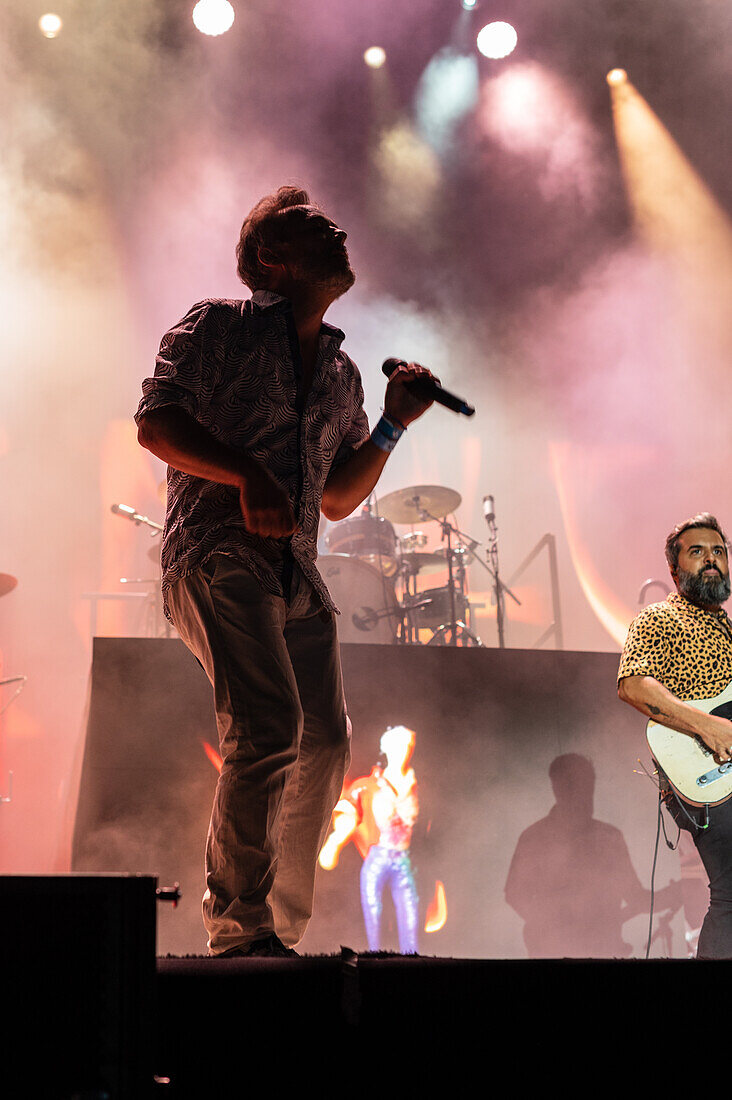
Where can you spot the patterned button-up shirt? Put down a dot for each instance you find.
(234, 367)
(684, 647)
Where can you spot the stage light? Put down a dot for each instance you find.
(469, 5)
(409, 178)
(617, 76)
(50, 25)
(447, 91)
(497, 40)
(374, 57)
(213, 17)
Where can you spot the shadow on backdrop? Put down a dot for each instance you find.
(571, 879)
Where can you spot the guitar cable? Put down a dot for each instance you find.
(653, 875)
(661, 824)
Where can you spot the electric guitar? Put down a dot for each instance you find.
(689, 764)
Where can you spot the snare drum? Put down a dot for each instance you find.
(370, 538)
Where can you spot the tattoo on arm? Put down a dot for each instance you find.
(655, 711)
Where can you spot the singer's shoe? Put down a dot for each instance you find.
(270, 947)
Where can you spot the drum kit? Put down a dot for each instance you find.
(375, 576)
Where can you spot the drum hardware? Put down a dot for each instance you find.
(415, 562)
(458, 557)
(441, 609)
(464, 554)
(448, 632)
(415, 540)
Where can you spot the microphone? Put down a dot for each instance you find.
(489, 508)
(132, 514)
(430, 389)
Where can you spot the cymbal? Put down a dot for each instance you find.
(419, 503)
(7, 583)
(416, 561)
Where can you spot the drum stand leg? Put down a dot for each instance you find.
(408, 631)
(456, 630)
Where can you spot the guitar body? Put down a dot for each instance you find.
(689, 764)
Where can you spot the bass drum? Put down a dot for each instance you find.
(366, 599)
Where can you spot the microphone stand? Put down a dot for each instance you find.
(499, 588)
(447, 532)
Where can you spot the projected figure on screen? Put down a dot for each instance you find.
(571, 878)
(378, 813)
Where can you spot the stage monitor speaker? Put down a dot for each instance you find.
(77, 960)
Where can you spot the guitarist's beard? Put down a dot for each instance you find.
(703, 591)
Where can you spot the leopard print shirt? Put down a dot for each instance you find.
(685, 648)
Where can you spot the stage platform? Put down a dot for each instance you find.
(340, 1022)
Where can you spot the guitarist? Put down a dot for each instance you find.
(678, 650)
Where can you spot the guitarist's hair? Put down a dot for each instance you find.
(702, 519)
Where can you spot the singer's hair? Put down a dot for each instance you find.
(262, 228)
(701, 519)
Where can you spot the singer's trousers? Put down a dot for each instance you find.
(284, 739)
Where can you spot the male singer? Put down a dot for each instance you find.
(259, 415)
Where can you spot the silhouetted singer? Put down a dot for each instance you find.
(259, 415)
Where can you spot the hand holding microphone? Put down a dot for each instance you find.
(422, 387)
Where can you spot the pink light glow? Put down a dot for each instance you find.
(612, 613)
(531, 113)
